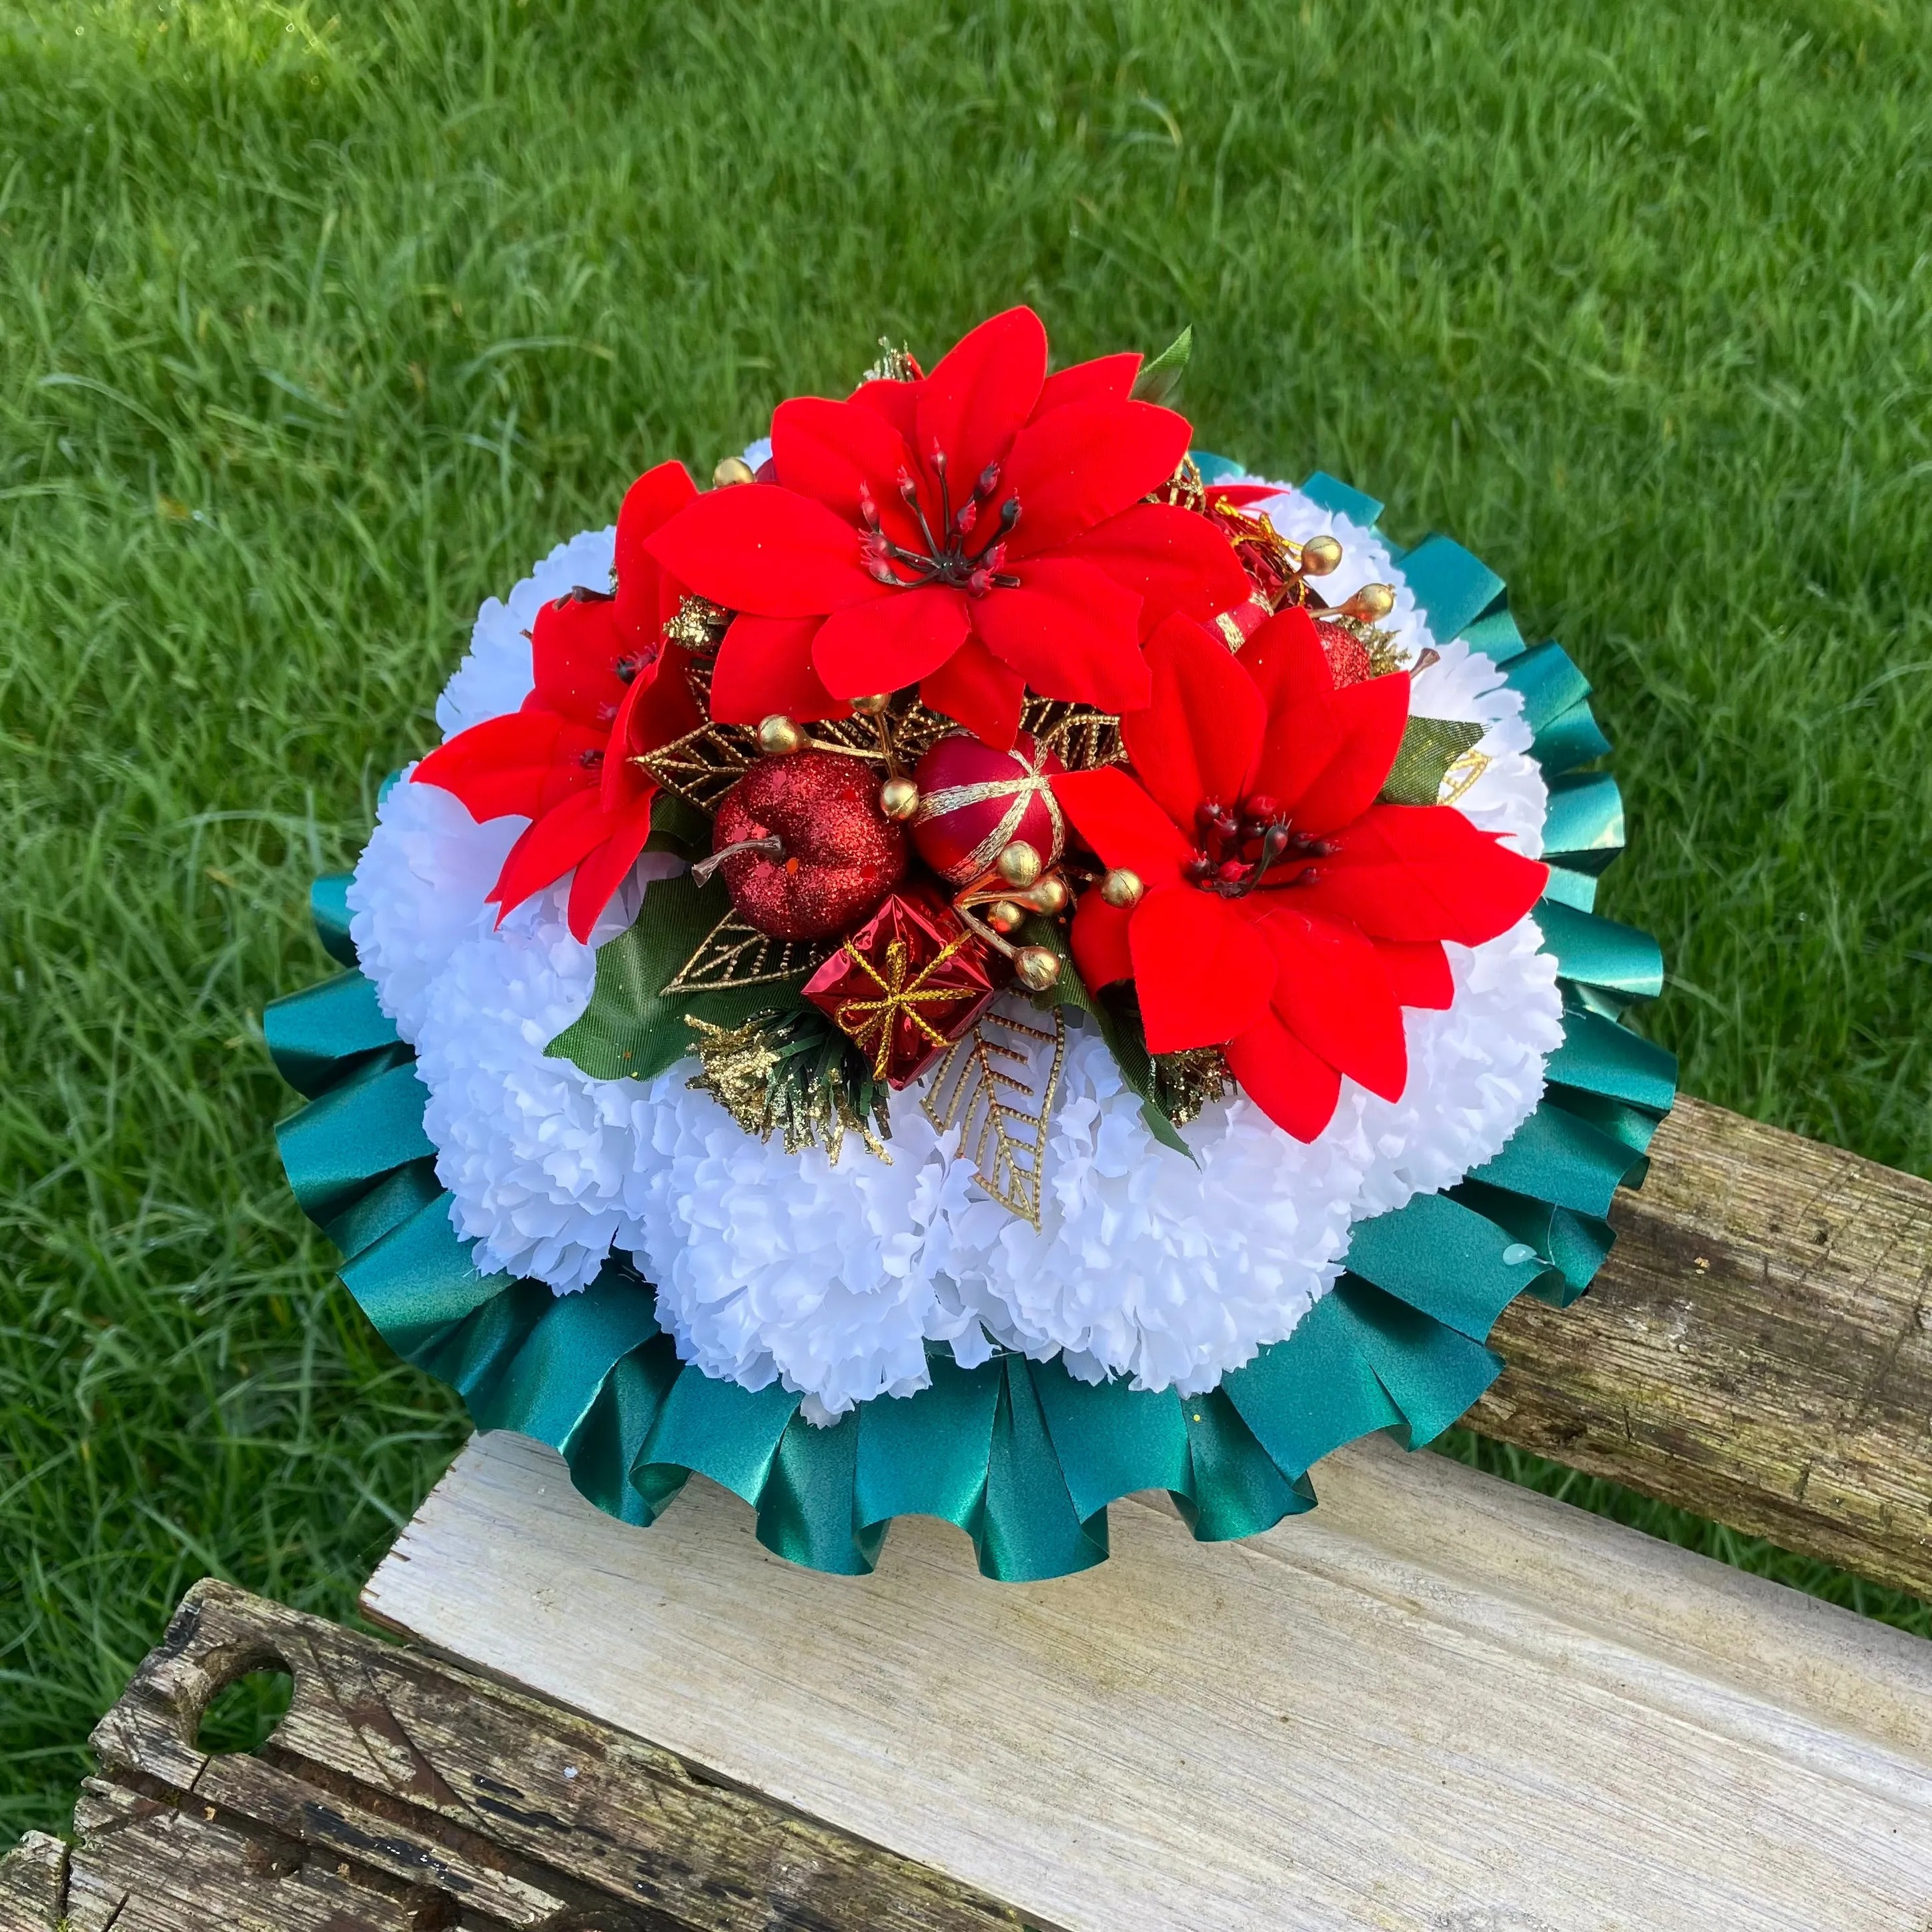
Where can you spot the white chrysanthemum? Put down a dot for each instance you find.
(1145, 1263)
(1475, 1072)
(776, 1265)
(418, 893)
(833, 1280)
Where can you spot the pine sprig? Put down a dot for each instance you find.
(793, 1072)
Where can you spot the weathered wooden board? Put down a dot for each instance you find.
(1436, 1703)
(33, 1884)
(1758, 1347)
(399, 1795)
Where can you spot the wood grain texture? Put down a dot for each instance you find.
(1758, 1348)
(1437, 1702)
(398, 1795)
(33, 1884)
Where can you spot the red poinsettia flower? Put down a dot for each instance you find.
(1286, 917)
(977, 532)
(567, 761)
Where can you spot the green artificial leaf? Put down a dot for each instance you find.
(678, 827)
(1116, 1015)
(630, 1031)
(1160, 381)
(1429, 746)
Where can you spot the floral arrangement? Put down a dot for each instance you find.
(983, 962)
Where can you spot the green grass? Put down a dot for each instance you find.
(316, 328)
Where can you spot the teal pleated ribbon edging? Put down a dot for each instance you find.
(1021, 1457)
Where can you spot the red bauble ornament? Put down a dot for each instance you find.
(839, 854)
(1348, 662)
(907, 985)
(1237, 626)
(974, 801)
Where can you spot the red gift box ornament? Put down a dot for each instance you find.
(905, 985)
(974, 801)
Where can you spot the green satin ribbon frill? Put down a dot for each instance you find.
(1020, 1455)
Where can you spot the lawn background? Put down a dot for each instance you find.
(317, 327)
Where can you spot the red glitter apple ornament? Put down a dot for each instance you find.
(1349, 660)
(804, 847)
(974, 801)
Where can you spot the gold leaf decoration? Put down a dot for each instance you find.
(1462, 774)
(916, 730)
(989, 1087)
(734, 954)
(1081, 737)
(704, 765)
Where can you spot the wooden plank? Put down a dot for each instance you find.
(1436, 1702)
(33, 1884)
(147, 1865)
(1758, 1348)
(399, 1795)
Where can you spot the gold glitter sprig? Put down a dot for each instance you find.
(791, 1074)
(894, 365)
(1184, 1083)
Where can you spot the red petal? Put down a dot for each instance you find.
(1285, 659)
(764, 665)
(659, 710)
(1122, 823)
(1294, 1088)
(670, 593)
(574, 647)
(1077, 466)
(511, 764)
(1238, 495)
(754, 546)
(604, 868)
(1328, 752)
(978, 395)
(1424, 871)
(1202, 972)
(892, 641)
(1290, 669)
(972, 688)
(1100, 949)
(897, 402)
(1197, 739)
(830, 452)
(1107, 379)
(1369, 718)
(651, 501)
(1180, 563)
(547, 850)
(1070, 630)
(1418, 972)
(1331, 992)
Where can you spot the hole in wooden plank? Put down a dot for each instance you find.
(241, 1716)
